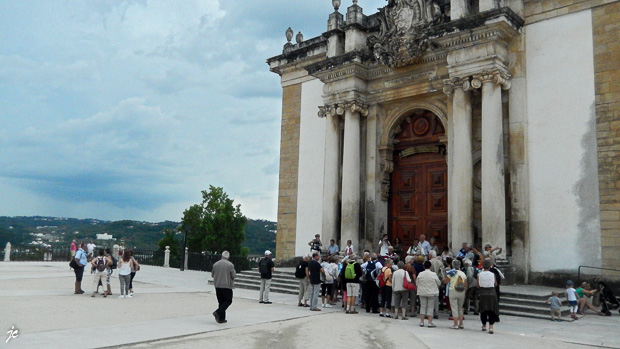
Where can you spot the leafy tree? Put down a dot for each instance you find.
(215, 224)
(170, 239)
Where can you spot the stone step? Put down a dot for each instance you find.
(504, 299)
(532, 315)
(529, 309)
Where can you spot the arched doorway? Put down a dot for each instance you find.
(418, 202)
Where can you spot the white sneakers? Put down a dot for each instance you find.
(126, 296)
(121, 296)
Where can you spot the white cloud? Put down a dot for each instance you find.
(128, 109)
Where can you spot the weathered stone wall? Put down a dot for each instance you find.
(540, 10)
(289, 163)
(606, 32)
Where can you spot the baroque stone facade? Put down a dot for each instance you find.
(456, 119)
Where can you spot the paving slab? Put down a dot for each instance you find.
(172, 309)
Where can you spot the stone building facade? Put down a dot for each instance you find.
(488, 121)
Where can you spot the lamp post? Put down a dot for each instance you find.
(182, 268)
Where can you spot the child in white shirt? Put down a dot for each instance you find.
(571, 294)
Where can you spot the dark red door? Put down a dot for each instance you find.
(419, 186)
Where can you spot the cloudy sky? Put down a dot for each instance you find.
(127, 109)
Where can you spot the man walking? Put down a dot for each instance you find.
(265, 267)
(223, 274)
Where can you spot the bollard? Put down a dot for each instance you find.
(167, 257)
(7, 252)
(186, 255)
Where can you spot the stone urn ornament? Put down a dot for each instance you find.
(289, 34)
(336, 4)
(299, 38)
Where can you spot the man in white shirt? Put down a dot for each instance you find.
(425, 246)
(91, 247)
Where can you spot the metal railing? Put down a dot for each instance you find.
(589, 267)
(195, 261)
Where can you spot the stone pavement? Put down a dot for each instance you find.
(172, 309)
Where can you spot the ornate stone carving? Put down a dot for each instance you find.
(387, 167)
(402, 39)
(299, 38)
(336, 4)
(449, 85)
(289, 34)
(495, 76)
(340, 108)
(355, 107)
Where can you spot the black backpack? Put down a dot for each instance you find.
(101, 263)
(263, 267)
(114, 264)
(369, 268)
(300, 271)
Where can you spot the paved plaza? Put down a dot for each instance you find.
(172, 309)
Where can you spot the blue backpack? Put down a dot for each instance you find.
(370, 267)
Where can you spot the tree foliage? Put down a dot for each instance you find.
(170, 239)
(215, 224)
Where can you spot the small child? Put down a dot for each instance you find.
(556, 305)
(572, 296)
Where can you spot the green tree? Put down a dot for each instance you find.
(170, 239)
(215, 224)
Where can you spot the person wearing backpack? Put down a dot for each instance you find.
(472, 286)
(350, 275)
(385, 284)
(109, 272)
(456, 292)
(265, 267)
(370, 286)
(99, 265)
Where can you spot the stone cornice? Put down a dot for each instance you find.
(326, 67)
(496, 25)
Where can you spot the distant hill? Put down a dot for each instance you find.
(52, 231)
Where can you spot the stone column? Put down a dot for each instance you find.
(331, 174)
(493, 187)
(7, 252)
(167, 257)
(460, 189)
(350, 220)
(186, 258)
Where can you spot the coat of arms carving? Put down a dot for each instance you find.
(402, 39)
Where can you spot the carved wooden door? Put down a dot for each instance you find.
(419, 186)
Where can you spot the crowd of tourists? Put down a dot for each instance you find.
(399, 283)
(102, 265)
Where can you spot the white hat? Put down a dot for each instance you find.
(267, 253)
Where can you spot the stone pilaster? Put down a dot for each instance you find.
(493, 184)
(350, 222)
(460, 187)
(289, 164)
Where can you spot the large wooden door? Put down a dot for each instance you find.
(419, 186)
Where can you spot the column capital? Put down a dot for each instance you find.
(496, 77)
(355, 107)
(449, 85)
(338, 109)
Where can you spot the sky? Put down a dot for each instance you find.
(128, 109)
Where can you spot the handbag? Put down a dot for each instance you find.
(73, 264)
(408, 285)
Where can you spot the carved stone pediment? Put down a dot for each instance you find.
(402, 39)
